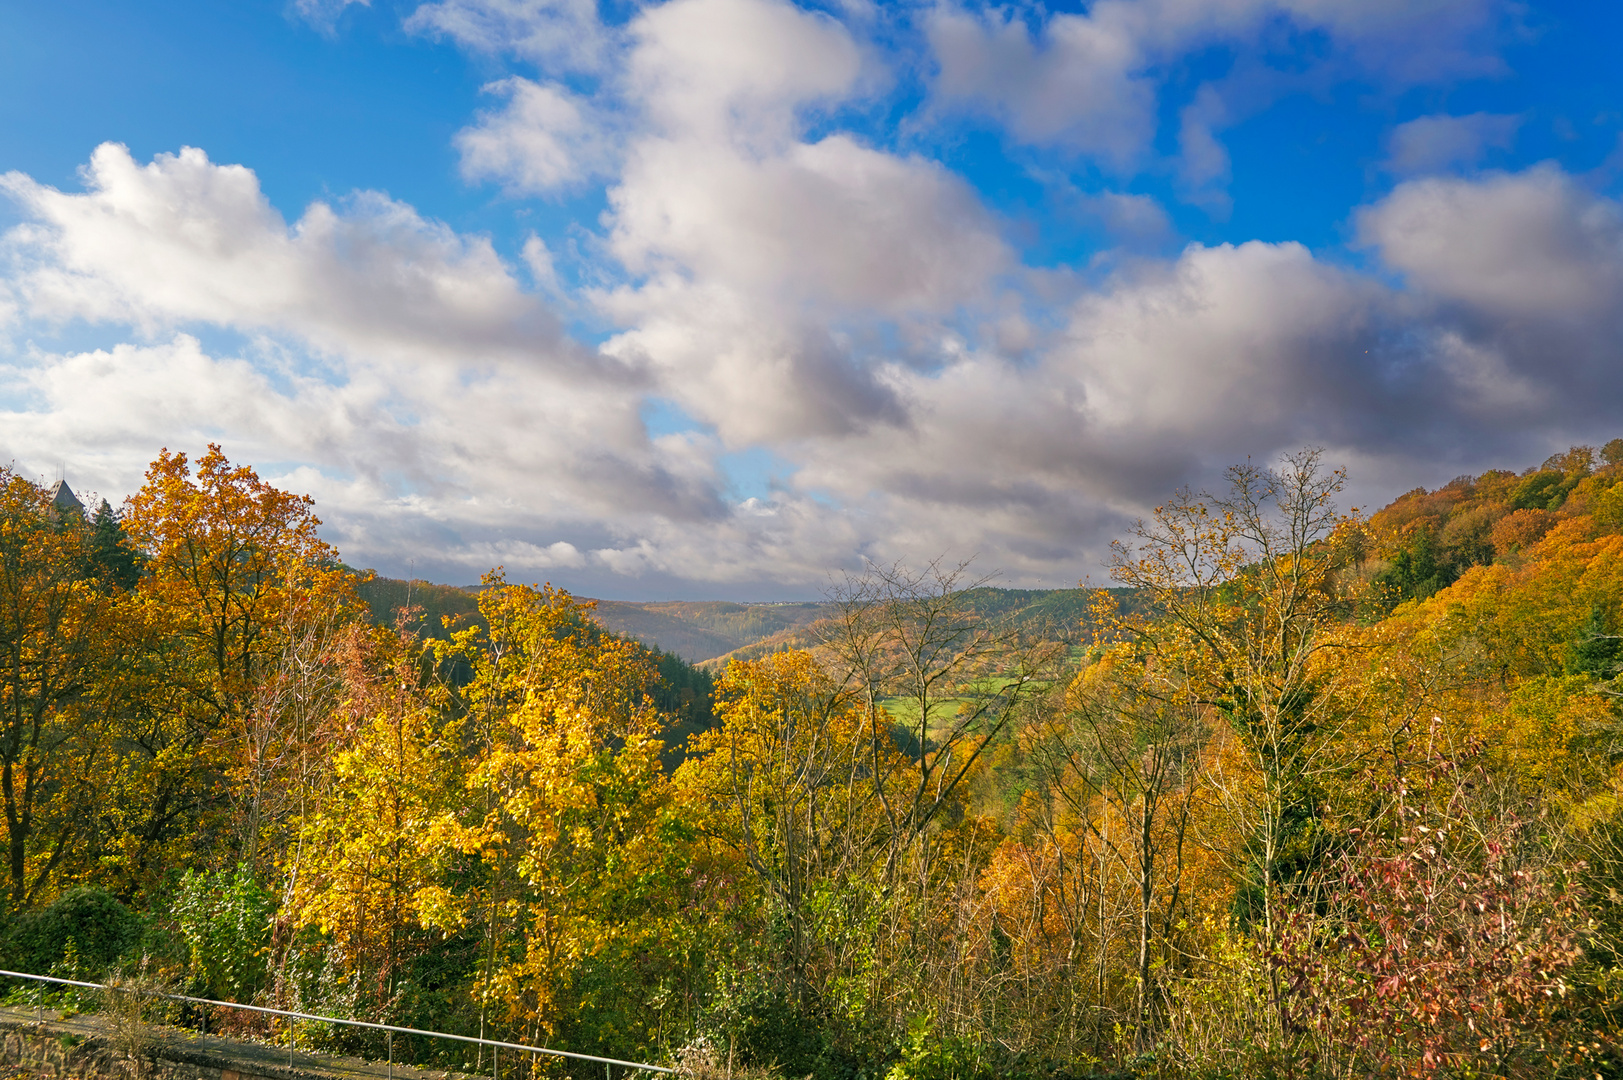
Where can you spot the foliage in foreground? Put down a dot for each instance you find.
(1333, 797)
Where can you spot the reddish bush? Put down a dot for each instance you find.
(1431, 951)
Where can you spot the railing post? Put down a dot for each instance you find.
(389, 1038)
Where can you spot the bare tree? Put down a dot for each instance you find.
(1125, 761)
(284, 743)
(1250, 599)
(925, 664)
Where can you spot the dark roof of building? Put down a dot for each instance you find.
(63, 498)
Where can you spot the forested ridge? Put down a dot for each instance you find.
(1310, 794)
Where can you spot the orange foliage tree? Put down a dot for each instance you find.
(57, 643)
(236, 577)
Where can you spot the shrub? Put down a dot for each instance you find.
(101, 930)
(225, 919)
(1436, 952)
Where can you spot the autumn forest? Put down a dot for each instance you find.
(1307, 793)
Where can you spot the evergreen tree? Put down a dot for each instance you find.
(1595, 652)
(113, 558)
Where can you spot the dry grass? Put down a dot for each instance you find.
(701, 1059)
(129, 1003)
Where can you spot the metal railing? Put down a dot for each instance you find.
(389, 1030)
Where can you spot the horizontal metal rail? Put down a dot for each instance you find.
(390, 1028)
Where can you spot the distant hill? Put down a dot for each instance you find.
(705, 629)
(711, 632)
(692, 630)
(435, 603)
(1427, 540)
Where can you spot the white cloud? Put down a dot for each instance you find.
(1027, 440)
(560, 555)
(1434, 143)
(560, 35)
(450, 470)
(404, 359)
(1082, 85)
(1224, 348)
(98, 402)
(185, 239)
(758, 373)
(544, 138)
(746, 240)
(790, 285)
(1091, 82)
(323, 14)
(813, 295)
(1516, 294)
(1531, 244)
(831, 222)
(737, 71)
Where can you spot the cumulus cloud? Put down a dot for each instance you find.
(503, 478)
(1175, 369)
(1172, 369)
(857, 309)
(544, 138)
(1029, 441)
(757, 375)
(1532, 244)
(183, 239)
(1429, 144)
(98, 402)
(1091, 82)
(1082, 85)
(746, 240)
(403, 358)
(437, 433)
(1224, 348)
(441, 471)
(831, 222)
(561, 35)
(737, 71)
(1517, 281)
(789, 284)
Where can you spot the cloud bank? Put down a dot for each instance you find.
(785, 283)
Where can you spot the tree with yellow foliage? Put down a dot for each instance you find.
(792, 784)
(581, 857)
(1250, 598)
(1125, 759)
(368, 866)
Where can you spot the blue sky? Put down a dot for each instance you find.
(713, 298)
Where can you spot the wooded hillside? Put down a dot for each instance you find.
(1307, 795)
